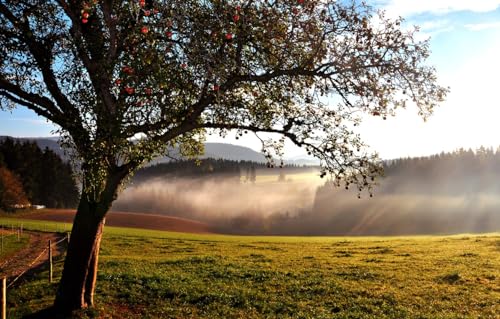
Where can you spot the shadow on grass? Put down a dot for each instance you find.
(53, 313)
(45, 314)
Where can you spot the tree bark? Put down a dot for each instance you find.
(76, 287)
(92, 273)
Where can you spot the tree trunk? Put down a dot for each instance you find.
(92, 273)
(76, 288)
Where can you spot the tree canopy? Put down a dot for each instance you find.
(107, 72)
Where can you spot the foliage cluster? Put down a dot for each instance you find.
(11, 190)
(108, 71)
(44, 177)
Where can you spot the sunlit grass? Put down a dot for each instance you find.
(154, 274)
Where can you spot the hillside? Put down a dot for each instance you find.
(212, 150)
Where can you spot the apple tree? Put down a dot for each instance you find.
(126, 80)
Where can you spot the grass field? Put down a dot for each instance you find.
(10, 244)
(153, 274)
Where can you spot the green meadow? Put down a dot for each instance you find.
(153, 274)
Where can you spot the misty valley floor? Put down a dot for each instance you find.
(148, 274)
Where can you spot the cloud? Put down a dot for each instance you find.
(407, 8)
(433, 28)
(483, 26)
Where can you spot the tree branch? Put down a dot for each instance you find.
(42, 56)
(29, 105)
(37, 103)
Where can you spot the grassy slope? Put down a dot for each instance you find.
(152, 274)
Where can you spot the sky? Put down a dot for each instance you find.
(465, 49)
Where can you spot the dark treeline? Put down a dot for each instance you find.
(459, 172)
(45, 178)
(209, 167)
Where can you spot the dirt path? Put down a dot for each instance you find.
(24, 259)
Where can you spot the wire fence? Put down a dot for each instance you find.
(47, 252)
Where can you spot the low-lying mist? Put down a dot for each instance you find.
(305, 206)
(221, 200)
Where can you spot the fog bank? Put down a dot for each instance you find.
(215, 199)
(305, 206)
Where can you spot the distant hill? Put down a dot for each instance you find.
(222, 151)
(212, 150)
(232, 152)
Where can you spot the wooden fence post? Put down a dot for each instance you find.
(50, 261)
(3, 303)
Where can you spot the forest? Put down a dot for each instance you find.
(30, 175)
(210, 168)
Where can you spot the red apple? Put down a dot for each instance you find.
(168, 34)
(229, 36)
(128, 70)
(85, 15)
(148, 91)
(118, 81)
(236, 18)
(144, 30)
(147, 13)
(183, 65)
(216, 87)
(85, 20)
(129, 90)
